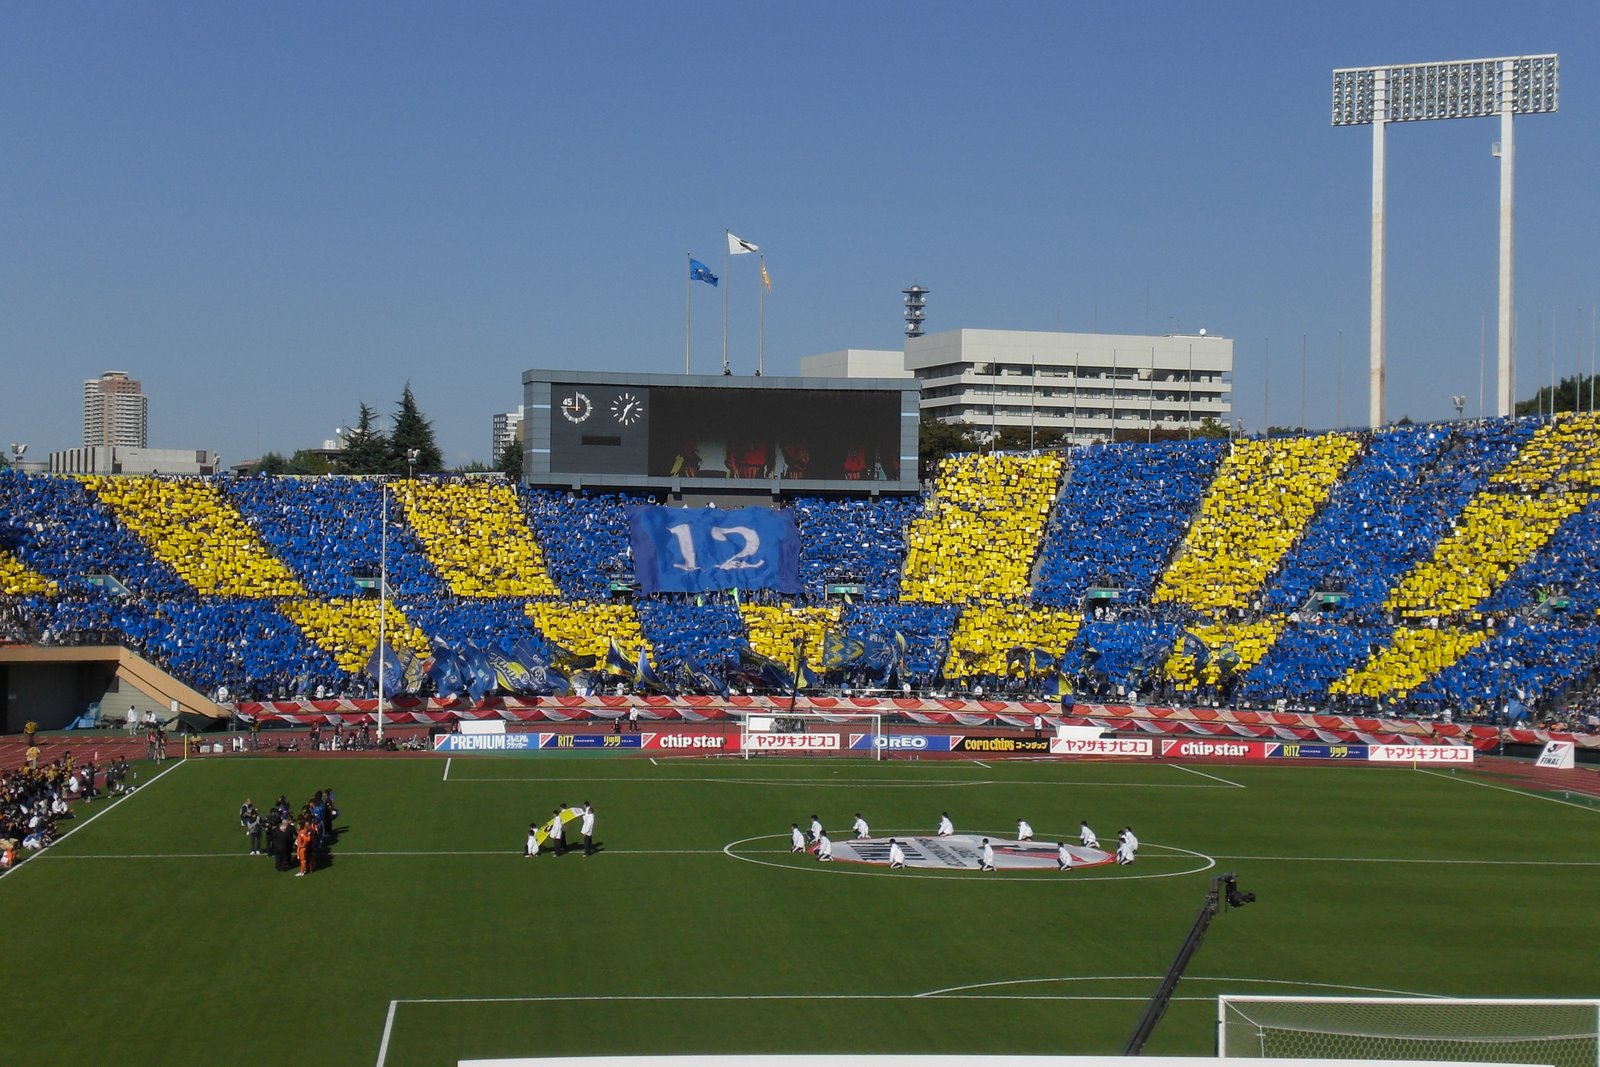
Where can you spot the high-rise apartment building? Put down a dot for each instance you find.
(507, 428)
(115, 412)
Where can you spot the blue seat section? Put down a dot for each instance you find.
(854, 541)
(1526, 660)
(1391, 509)
(1568, 564)
(926, 628)
(710, 635)
(479, 623)
(1121, 516)
(1125, 651)
(58, 528)
(584, 538)
(247, 645)
(329, 530)
(1306, 659)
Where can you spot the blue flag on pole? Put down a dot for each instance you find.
(699, 272)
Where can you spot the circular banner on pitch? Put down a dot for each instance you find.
(964, 852)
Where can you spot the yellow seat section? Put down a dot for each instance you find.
(192, 525)
(982, 529)
(1264, 494)
(18, 579)
(1563, 452)
(773, 631)
(1250, 641)
(586, 629)
(1411, 658)
(476, 536)
(347, 627)
(983, 635)
(1505, 523)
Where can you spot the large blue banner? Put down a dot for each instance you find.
(692, 550)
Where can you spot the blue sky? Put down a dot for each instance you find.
(269, 213)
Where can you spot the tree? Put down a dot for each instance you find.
(1020, 439)
(366, 451)
(271, 463)
(1210, 427)
(510, 460)
(413, 432)
(304, 462)
(1571, 394)
(937, 439)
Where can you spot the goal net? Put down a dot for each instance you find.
(1560, 1033)
(813, 733)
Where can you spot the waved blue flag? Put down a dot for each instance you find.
(699, 272)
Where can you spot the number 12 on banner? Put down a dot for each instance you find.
(745, 559)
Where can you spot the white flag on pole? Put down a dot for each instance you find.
(738, 246)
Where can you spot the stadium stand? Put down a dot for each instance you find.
(196, 530)
(1121, 516)
(1469, 554)
(981, 532)
(476, 534)
(330, 533)
(1264, 494)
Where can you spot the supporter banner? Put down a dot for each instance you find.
(686, 742)
(618, 741)
(902, 742)
(1102, 746)
(1297, 750)
(792, 742)
(1000, 744)
(692, 550)
(1195, 748)
(1420, 753)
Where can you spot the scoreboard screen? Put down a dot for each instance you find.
(698, 432)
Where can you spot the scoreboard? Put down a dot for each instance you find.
(704, 432)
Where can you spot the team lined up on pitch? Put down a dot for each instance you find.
(892, 851)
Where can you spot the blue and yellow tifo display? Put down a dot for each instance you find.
(1415, 568)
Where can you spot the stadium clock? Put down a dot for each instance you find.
(627, 408)
(577, 407)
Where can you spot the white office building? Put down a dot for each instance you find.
(1084, 385)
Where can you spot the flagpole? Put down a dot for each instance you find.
(726, 283)
(383, 596)
(688, 289)
(761, 317)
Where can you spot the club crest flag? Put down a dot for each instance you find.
(693, 550)
(738, 246)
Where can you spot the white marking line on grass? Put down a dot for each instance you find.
(1213, 777)
(982, 764)
(79, 826)
(347, 854)
(952, 993)
(1504, 789)
(447, 768)
(840, 783)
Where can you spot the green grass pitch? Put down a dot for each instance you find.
(148, 936)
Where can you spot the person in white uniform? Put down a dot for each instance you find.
(531, 849)
(797, 840)
(946, 827)
(1063, 857)
(897, 855)
(860, 827)
(1086, 836)
(586, 828)
(816, 829)
(987, 862)
(824, 849)
(1024, 831)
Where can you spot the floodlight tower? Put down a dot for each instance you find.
(1472, 88)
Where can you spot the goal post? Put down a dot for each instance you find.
(812, 733)
(1560, 1033)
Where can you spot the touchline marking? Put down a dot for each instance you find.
(79, 826)
(447, 768)
(347, 854)
(982, 764)
(1505, 789)
(1213, 777)
(852, 783)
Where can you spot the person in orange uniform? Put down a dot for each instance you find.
(302, 845)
